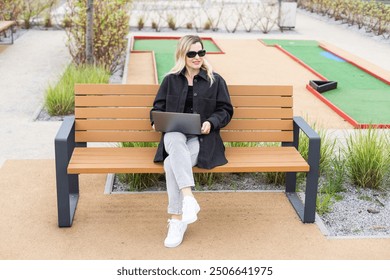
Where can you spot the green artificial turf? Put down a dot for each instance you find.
(360, 95)
(164, 50)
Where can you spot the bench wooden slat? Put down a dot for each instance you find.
(263, 90)
(144, 124)
(151, 136)
(262, 113)
(247, 124)
(113, 100)
(263, 101)
(262, 136)
(142, 100)
(117, 136)
(113, 113)
(144, 113)
(136, 124)
(124, 160)
(99, 89)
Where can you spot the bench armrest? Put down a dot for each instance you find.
(304, 126)
(66, 132)
(64, 143)
(314, 142)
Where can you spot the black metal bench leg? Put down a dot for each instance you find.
(307, 210)
(291, 181)
(67, 198)
(310, 197)
(67, 184)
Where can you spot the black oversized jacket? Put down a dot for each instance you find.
(212, 103)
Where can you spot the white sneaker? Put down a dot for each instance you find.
(175, 233)
(191, 209)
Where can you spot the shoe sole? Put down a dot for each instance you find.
(172, 245)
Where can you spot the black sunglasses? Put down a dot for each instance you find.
(192, 54)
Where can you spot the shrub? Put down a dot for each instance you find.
(334, 176)
(155, 26)
(138, 181)
(208, 25)
(47, 22)
(324, 203)
(372, 15)
(141, 23)
(59, 99)
(33, 8)
(10, 9)
(189, 25)
(367, 158)
(326, 153)
(206, 179)
(110, 26)
(275, 178)
(326, 150)
(171, 22)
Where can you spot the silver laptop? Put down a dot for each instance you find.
(176, 122)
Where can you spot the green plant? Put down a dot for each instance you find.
(275, 178)
(324, 203)
(155, 26)
(208, 25)
(47, 21)
(206, 178)
(171, 22)
(33, 8)
(367, 158)
(334, 176)
(10, 9)
(110, 27)
(374, 16)
(241, 144)
(189, 25)
(326, 150)
(66, 22)
(59, 99)
(138, 181)
(141, 23)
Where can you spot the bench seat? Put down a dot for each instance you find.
(7, 25)
(94, 160)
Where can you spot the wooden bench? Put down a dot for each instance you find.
(7, 25)
(120, 113)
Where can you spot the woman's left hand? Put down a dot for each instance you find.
(206, 126)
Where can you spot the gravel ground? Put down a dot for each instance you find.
(360, 212)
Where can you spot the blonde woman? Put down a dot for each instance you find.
(190, 87)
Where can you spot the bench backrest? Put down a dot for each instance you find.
(120, 113)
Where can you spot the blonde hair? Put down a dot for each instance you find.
(183, 46)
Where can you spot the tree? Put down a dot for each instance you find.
(89, 33)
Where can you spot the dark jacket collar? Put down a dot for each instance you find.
(202, 73)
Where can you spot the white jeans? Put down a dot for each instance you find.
(182, 156)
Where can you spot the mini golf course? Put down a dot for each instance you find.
(360, 98)
(164, 51)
